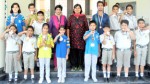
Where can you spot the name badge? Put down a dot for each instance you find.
(45, 48)
(92, 44)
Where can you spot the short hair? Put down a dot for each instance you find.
(115, 6)
(45, 24)
(12, 6)
(31, 4)
(92, 22)
(76, 5)
(13, 25)
(62, 27)
(100, 2)
(59, 6)
(129, 5)
(40, 12)
(30, 27)
(141, 19)
(124, 21)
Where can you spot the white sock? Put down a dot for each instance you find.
(118, 75)
(16, 75)
(141, 74)
(32, 76)
(25, 76)
(104, 73)
(126, 74)
(108, 74)
(136, 74)
(10, 76)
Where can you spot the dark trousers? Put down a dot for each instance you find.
(76, 57)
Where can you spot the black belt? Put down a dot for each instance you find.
(123, 49)
(12, 52)
(141, 46)
(107, 49)
(28, 53)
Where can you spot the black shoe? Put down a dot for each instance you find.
(24, 80)
(143, 78)
(127, 79)
(136, 79)
(105, 79)
(108, 80)
(32, 80)
(117, 79)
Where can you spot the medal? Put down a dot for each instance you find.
(100, 21)
(92, 44)
(60, 39)
(45, 48)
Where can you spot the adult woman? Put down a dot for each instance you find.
(56, 21)
(77, 25)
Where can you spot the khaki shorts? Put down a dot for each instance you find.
(141, 56)
(28, 60)
(107, 57)
(123, 58)
(11, 62)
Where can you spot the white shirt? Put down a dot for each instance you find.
(122, 39)
(37, 27)
(109, 41)
(132, 21)
(114, 22)
(142, 37)
(12, 42)
(29, 44)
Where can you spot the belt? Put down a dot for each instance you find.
(107, 49)
(123, 49)
(141, 46)
(28, 53)
(12, 52)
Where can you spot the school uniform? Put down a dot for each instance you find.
(29, 45)
(132, 21)
(142, 40)
(91, 53)
(18, 20)
(12, 51)
(114, 24)
(107, 49)
(37, 28)
(123, 45)
(62, 45)
(148, 57)
(44, 55)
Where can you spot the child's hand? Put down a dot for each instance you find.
(67, 57)
(18, 57)
(35, 58)
(135, 53)
(24, 32)
(7, 30)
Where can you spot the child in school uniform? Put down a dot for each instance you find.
(92, 40)
(32, 15)
(16, 18)
(37, 25)
(62, 51)
(13, 51)
(123, 45)
(108, 52)
(45, 44)
(29, 51)
(141, 48)
(128, 15)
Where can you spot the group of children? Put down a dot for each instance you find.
(36, 40)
